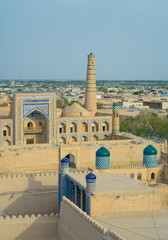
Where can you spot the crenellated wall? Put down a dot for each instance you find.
(29, 227)
(75, 224)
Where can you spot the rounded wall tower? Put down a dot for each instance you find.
(90, 94)
(115, 119)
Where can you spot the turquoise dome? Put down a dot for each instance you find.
(150, 150)
(102, 152)
(91, 53)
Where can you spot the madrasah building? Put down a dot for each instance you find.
(34, 118)
(73, 175)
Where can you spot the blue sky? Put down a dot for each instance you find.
(50, 39)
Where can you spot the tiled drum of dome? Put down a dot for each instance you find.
(150, 161)
(102, 163)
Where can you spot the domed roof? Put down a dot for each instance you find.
(150, 150)
(75, 110)
(90, 176)
(65, 160)
(102, 152)
(91, 53)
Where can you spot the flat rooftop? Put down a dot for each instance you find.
(113, 183)
(138, 226)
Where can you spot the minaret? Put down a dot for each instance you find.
(115, 119)
(90, 94)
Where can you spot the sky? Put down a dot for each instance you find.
(50, 39)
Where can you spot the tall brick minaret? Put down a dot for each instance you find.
(90, 94)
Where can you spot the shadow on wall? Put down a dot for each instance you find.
(38, 205)
(45, 227)
(36, 199)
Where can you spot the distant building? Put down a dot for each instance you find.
(156, 104)
(12, 83)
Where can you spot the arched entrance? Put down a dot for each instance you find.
(84, 138)
(72, 160)
(95, 138)
(35, 128)
(62, 140)
(95, 127)
(84, 127)
(106, 137)
(7, 143)
(73, 139)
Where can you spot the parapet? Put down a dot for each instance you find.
(93, 223)
(25, 217)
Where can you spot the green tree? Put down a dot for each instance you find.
(99, 105)
(103, 89)
(61, 103)
(146, 124)
(71, 102)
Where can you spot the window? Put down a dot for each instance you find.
(4, 132)
(62, 128)
(73, 127)
(40, 124)
(104, 128)
(153, 175)
(131, 175)
(94, 127)
(161, 175)
(30, 125)
(139, 177)
(84, 127)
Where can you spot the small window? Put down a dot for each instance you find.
(71, 129)
(30, 125)
(104, 128)
(131, 175)
(93, 129)
(5, 133)
(153, 175)
(139, 177)
(40, 124)
(60, 130)
(161, 175)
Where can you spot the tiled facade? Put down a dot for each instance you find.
(33, 120)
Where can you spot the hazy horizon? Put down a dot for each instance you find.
(43, 40)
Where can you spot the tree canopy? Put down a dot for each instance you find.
(146, 124)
